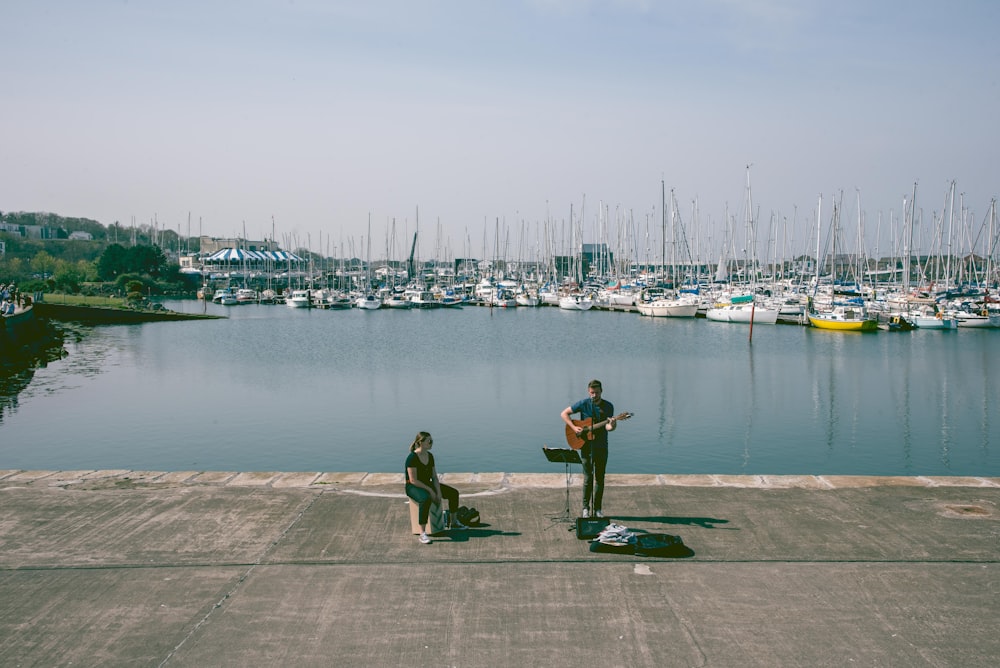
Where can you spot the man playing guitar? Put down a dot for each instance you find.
(594, 452)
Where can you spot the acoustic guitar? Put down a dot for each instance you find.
(577, 441)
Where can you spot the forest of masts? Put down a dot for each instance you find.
(945, 248)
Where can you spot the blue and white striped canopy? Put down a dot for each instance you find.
(240, 254)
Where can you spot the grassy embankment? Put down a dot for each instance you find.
(84, 300)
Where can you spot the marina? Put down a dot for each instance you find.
(831, 288)
(275, 388)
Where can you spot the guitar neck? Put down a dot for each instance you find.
(598, 425)
(620, 416)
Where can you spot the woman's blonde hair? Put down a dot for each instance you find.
(421, 437)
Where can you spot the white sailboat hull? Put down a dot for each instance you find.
(973, 320)
(527, 300)
(368, 303)
(576, 303)
(669, 308)
(744, 313)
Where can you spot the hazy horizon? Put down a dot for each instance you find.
(312, 120)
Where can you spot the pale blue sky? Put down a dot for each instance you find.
(323, 113)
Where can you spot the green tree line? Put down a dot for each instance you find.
(57, 263)
(116, 265)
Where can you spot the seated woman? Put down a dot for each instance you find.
(423, 486)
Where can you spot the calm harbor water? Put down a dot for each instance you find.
(273, 388)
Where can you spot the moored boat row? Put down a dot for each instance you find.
(825, 308)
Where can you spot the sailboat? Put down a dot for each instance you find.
(573, 298)
(743, 308)
(576, 302)
(841, 317)
(683, 306)
(525, 297)
(369, 301)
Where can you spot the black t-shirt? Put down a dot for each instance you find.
(425, 472)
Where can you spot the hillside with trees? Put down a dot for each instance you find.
(40, 256)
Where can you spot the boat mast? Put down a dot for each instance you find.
(673, 242)
(663, 228)
(819, 224)
(751, 240)
(908, 240)
(991, 244)
(951, 221)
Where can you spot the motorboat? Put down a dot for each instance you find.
(247, 296)
(298, 299)
(898, 322)
(932, 319)
(396, 300)
(330, 299)
(424, 299)
(225, 296)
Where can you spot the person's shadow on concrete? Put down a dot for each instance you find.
(703, 522)
(477, 531)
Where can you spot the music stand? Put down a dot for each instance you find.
(567, 457)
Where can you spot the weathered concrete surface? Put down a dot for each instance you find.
(309, 569)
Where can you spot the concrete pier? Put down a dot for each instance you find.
(142, 568)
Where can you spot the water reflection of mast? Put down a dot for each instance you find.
(753, 405)
(819, 405)
(667, 409)
(945, 430)
(984, 444)
(905, 418)
(832, 416)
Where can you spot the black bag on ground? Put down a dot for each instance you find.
(468, 516)
(587, 528)
(612, 548)
(661, 545)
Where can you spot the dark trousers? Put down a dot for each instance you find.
(422, 498)
(595, 462)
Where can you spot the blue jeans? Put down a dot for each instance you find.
(595, 462)
(422, 498)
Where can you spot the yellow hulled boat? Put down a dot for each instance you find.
(844, 319)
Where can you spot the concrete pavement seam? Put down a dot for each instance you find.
(600, 559)
(243, 578)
